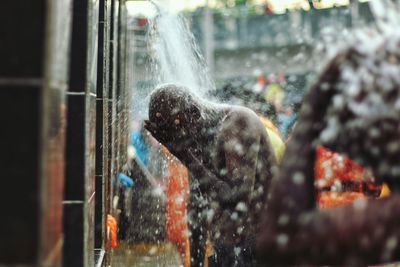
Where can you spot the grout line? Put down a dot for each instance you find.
(75, 93)
(21, 81)
(72, 202)
(91, 197)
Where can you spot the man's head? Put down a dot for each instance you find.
(174, 115)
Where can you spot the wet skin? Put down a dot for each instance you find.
(368, 232)
(229, 158)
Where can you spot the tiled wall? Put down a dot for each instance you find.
(92, 128)
(79, 200)
(60, 143)
(33, 80)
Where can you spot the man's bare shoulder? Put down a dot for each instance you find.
(243, 113)
(241, 118)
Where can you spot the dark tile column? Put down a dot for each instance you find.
(102, 141)
(33, 80)
(112, 100)
(79, 201)
(124, 96)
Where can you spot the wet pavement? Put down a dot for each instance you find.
(145, 255)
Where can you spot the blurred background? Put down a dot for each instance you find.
(252, 45)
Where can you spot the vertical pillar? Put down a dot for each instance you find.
(33, 80)
(102, 125)
(124, 96)
(112, 99)
(79, 200)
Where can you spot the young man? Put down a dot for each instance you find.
(230, 161)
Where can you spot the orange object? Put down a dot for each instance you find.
(111, 237)
(352, 181)
(176, 207)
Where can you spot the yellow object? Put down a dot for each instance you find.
(385, 192)
(277, 144)
(276, 141)
(269, 125)
(274, 93)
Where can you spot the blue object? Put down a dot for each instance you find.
(140, 146)
(284, 121)
(125, 180)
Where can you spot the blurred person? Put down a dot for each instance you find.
(230, 161)
(286, 118)
(172, 178)
(268, 9)
(238, 93)
(148, 168)
(353, 109)
(311, 4)
(261, 83)
(275, 95)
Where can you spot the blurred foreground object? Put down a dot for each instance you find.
(354, 109)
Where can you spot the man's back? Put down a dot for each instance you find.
(243, 157)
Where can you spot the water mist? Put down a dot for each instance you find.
(175, 56)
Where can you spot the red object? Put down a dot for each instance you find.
(141, 21)
(261, 79)
(352, 181)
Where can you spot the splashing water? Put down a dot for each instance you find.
(175, 56)
(386, 14)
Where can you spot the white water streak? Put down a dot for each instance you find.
(176, 57)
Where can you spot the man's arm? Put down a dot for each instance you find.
(217, 182)
(235, 160)
(365, 233)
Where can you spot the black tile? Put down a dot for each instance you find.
(75, 148)
(99, 213)
(19, 193)
(83, 65)
(99, 136)
(102, 60)
(73, 254)
(22, 29)
(78, 62)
